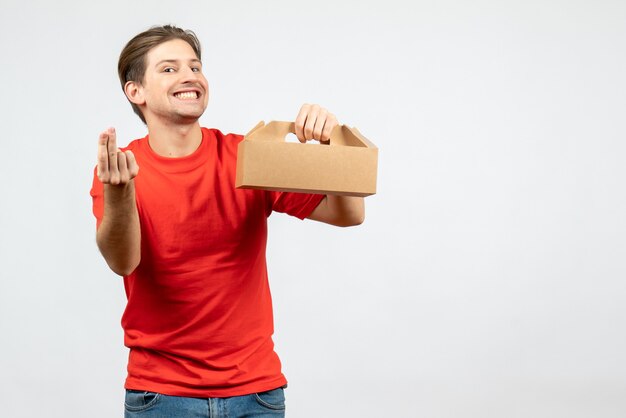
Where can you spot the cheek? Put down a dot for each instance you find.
(207, 90)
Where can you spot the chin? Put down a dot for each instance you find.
(189, 116)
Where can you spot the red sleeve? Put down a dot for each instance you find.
(97, 196)
(299, 205)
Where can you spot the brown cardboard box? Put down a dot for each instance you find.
(347, 166)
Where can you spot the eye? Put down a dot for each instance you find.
(196, 69)
(169, 70)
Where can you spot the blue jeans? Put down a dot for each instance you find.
(140, 404)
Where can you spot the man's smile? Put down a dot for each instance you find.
(186, 95)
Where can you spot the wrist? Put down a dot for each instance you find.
(119, 193)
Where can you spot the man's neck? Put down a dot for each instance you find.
(174, 140)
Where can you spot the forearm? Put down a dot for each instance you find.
(349, 210)
(119, 234)
(346, 210)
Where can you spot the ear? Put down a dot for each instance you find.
(134, 92)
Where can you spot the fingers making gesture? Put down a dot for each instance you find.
(115, 167)
(314, 122)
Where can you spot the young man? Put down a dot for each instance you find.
(190, 246)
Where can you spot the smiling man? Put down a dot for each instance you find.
(191, 247)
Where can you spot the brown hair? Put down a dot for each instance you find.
(132, 63)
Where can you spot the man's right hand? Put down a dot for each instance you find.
(115, 167)
(119, 234)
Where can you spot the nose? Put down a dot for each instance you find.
(189, 75)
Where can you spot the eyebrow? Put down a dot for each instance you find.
(195, 60)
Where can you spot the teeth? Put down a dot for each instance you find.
(187, 95)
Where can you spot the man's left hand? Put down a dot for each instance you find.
(314, 122)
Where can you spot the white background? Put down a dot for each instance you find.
(489, 277)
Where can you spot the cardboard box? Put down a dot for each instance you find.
(346, 166)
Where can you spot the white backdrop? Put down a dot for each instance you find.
(488, 279)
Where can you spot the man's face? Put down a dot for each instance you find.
(174, 89)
